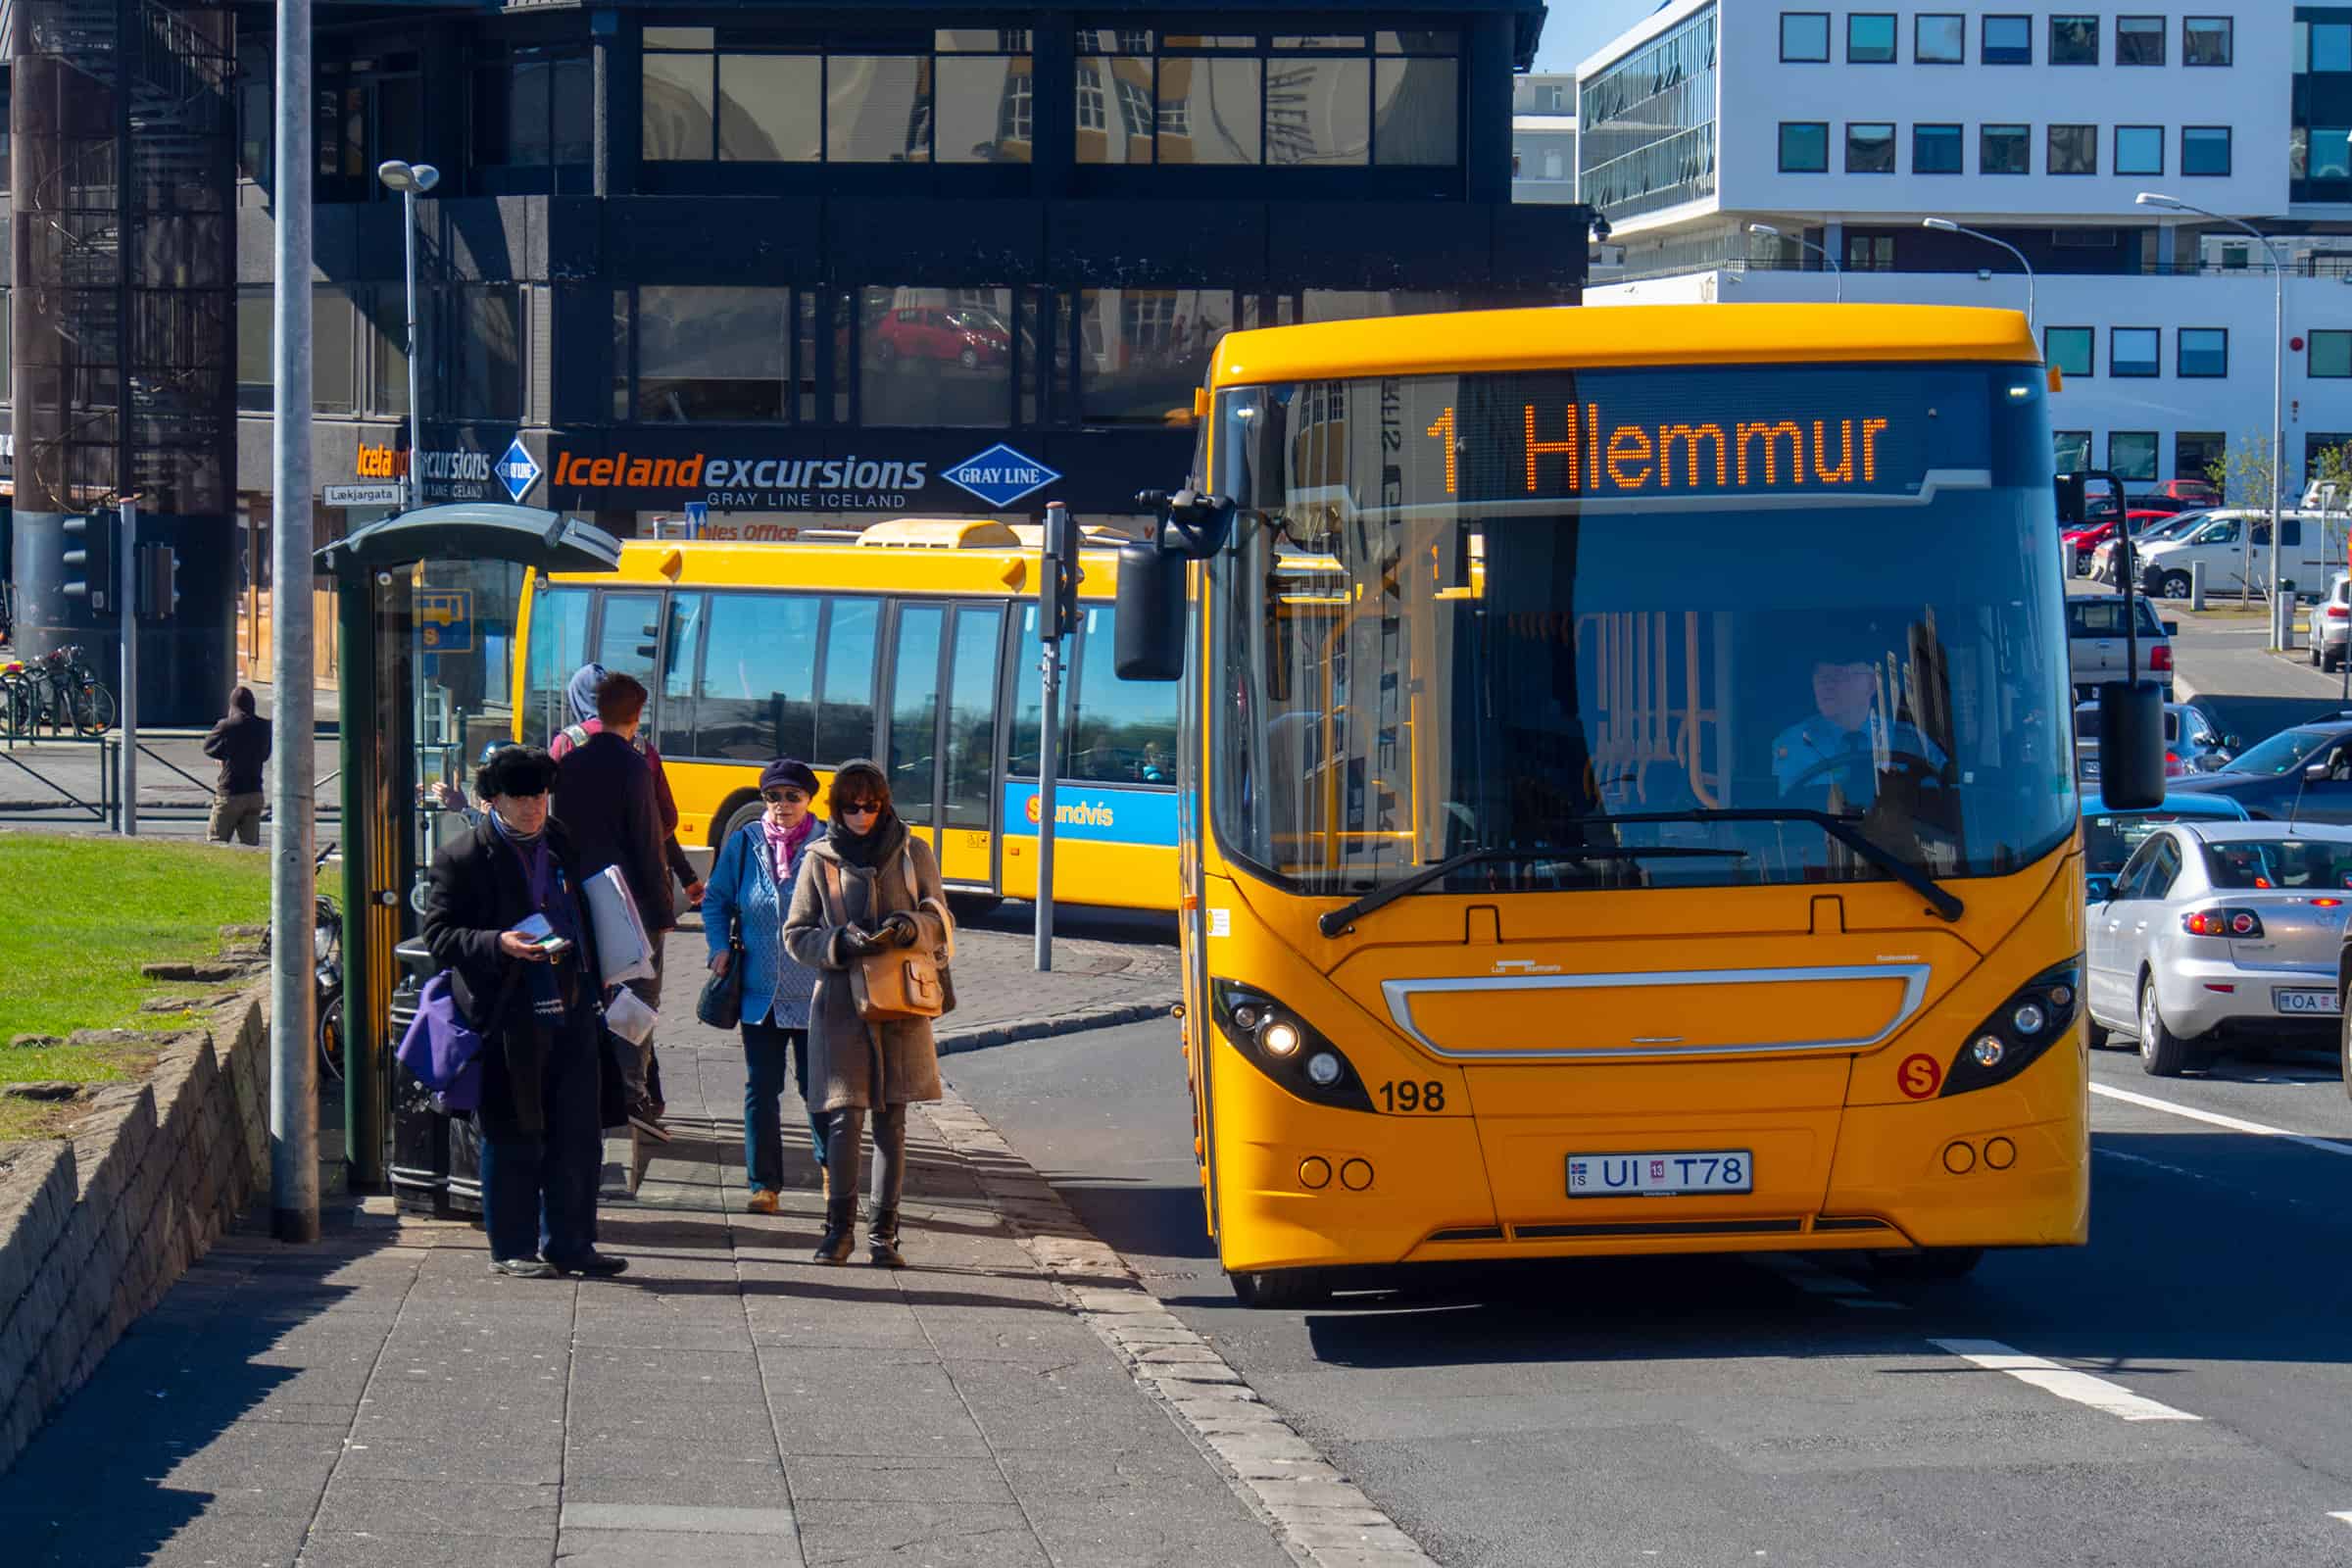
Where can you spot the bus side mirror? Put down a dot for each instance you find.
(2098, 887)
(1149, 636)
(2071, 508)
(2132, 744)
(1192, 523)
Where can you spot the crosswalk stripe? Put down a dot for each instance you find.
(2063, 1380)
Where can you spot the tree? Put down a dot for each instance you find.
(2243, 475)
(2330, 469)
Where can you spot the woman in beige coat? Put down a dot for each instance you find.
(852, 899)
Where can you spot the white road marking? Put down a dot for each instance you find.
(2063, 1380)
(2325, 1146)
(2346, 1517)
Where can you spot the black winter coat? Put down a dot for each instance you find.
(606, 800)
(477, 890)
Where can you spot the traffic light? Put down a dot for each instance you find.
(89, 558)
(156, 573)
(1058, 585)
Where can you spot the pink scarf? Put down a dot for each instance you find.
(786, 842)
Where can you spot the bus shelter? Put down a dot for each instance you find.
(425, 605)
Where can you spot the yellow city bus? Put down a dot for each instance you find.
(913, 643)
(1626, 791)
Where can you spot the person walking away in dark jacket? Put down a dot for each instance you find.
(535, 995)
(240, 744)
(580, 698)
(604, 796)
(853, 898)
(751, 889)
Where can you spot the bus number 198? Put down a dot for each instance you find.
(1409, 1097)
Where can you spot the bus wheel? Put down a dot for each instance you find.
(1928, 1263)
(974, 905)
(1277, 1290)
(742, 817)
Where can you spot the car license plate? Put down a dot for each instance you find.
(2305, 1002)
(1714, 1171)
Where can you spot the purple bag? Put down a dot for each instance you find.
(443, 1049)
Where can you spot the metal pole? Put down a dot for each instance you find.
(293, 1065)
(126, 573)
(2278, 405)
(1049, 780)
(408, 208)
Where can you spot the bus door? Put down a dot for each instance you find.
(943, 754)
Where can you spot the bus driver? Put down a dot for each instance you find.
(1846, 742)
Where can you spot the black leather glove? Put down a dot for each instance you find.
(859, 943)
(899, 928)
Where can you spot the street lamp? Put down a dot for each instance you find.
(2149, 198)
(412, 181)
(1770, 232)
(1945, 225)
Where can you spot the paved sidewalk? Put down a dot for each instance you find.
(382, 1399)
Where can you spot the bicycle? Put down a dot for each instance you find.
(63, 692)
(326, 975)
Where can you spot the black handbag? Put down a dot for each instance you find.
(720, 1006)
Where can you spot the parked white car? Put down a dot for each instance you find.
(2231, 540)
(2331, 623)
(2217, 932)
(2102, 559)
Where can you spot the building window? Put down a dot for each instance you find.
(2140, 40)
(334, 352)
(2135, 352)
(2139, 149)
(2008, 41)
(2320, 151)
(1804, 147)
(746, 95)
(256, 337)
(2074, 150)
(1143, 351)
(2005, 150)
(483, 356)
(2319, 445)
(1091, 113)
(2330, 355)
(1869, 39)
(1647, 123)
(2070, 451)
(1805, 38)
(1870, 253)
(1868, 148)
(709, 356)
(985, 96)
(2207, 40)
(2073, 40)
(2131, 454)
(1936, 150)
(2323, 46)
(937, 357)
(2203, 353)
(1939, 38)
(2199, 455)
(2205, 149)
(2069, 349)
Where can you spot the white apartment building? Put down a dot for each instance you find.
(1844, 128)
(1543, 137)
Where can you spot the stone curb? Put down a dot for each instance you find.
(1322, 1519)
(953, 1041)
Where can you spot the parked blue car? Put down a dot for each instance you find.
(2110, 837)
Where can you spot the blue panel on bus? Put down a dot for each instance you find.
(1089, 811)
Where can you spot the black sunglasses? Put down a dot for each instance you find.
(860, 809)
(773, 796)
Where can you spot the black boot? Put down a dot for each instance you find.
(882, 1240)
(835, 1245)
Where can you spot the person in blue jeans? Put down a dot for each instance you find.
(748, 893)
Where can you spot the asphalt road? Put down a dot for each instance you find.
(2197, 1411)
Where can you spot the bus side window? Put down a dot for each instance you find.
(558, 633)
(1124, 731)
(845, 714)
(757, 698)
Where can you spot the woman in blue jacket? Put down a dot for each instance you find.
(749, 892)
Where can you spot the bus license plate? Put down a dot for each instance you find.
(2305, 1002)
(1716, 1170)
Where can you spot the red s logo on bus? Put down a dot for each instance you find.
(1919, 1076)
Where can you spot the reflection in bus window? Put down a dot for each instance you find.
(844, 720)
(972, 715)
(757, 676)
(558, 631)
(1124, 732)
(1028, 703)
(624, 638)
(675, 733)
(914, 711)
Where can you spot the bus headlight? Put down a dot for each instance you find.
(2018, 1031)
(1286, 1047)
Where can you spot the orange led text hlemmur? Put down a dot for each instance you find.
(1592, 453)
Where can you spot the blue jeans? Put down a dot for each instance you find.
(539, 1190)
(767, 1049)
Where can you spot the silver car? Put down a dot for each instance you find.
(2219, 931)
(2331, 623)
(2193, 742)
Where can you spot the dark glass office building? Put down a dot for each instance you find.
(793, 266)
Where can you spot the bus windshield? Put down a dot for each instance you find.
(1485, 613)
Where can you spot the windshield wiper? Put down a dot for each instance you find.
(1843, 829)
(1339, 919)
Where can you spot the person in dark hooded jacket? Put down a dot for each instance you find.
(240, 744)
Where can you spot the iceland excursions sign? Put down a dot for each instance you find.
(852, 482)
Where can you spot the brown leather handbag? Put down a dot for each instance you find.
(896, 983)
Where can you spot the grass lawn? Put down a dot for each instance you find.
(84, 914)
